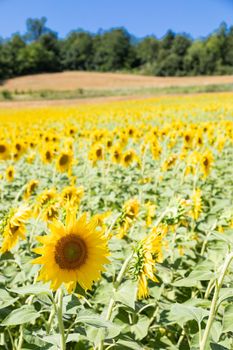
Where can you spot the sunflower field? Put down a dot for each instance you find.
(116, 225)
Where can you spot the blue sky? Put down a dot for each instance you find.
(140, 17)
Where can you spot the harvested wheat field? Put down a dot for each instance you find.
(93, 80)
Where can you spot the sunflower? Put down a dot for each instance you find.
(169, 162)
(10, 173)
(125, 221)
(156, 149)
(51, 211)
(64, 161)
(206, 162)
(149, 251)
(196, 204)
(96, 153)
(30, 188)
(188, 138)
(13, 227)
(116, 154)
(131, 208)
(18, 147)
(129, 157)
(4, 151)
(44, 199)
(47, 155)
(72, 195)
(73, 253)
(150, 213)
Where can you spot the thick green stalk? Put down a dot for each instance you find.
(60, 320)
(213, 307)
(116, 286)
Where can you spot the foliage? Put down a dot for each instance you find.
(155, 176)
(40, 50)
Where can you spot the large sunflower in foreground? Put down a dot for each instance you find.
(74, 252)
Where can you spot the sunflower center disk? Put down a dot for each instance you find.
(70, 252)
(64, 159)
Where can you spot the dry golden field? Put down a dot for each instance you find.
(93, 80)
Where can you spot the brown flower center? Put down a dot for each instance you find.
(14, 229)
(206, 162)
(2, 148)
(70, 252)
(116, 154)
(18, 146)
(99, 153)
(48, 155)
(128, 158)
(64, 159)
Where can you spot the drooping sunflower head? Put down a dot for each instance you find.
(13, 227)
(73, 253)
(131, 208)
(143, 267)
(72, 195)
(30, 188)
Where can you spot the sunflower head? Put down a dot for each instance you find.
(64, 161)
(30, 188)
(4, 151)
(72, 195)
(10, 173)
(13, 227)
(73, 253)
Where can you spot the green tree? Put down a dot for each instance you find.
(112, 50)
(147, 50)
(77, 51)
(36, 27)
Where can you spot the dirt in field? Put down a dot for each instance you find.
(103, 81)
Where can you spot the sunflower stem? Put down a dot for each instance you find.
(213, 307)
(112, 300)
(60, 319)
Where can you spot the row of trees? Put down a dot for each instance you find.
(40, 50)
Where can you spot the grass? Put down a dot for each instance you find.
(29, 95)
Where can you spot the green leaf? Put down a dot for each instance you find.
(94, 321)
(185, 282)
(25, 314)
(127, 294)
(215, 346)
(140, 329)
(35, 289)
(129, 344)
(6, 299)
(52, 339)
(202, 273)
(228, 319)
(216, 330)
(225, 293)
(181, 313)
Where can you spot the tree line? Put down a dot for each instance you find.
(40, 50)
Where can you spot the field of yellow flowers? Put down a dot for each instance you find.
(116, 225)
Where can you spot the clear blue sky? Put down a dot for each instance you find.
(140, 17)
